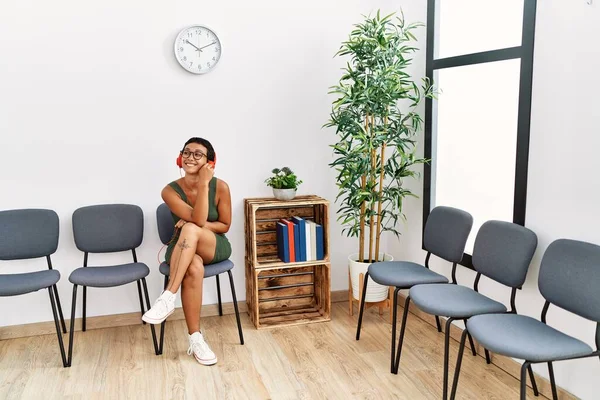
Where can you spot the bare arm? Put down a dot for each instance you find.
(200, 210)
(224, 208)
(176, 204)
(197, 214)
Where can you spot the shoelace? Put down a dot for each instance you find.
(161, 303)
(202, 347)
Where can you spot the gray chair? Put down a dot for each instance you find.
(166, 229)
(445, 236)
(108, 228)
(569, 278)
(27, 234)
(502, 252)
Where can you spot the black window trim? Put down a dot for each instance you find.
(525, 53)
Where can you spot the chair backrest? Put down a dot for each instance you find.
(108, 228)
(28, 233)
(166, 227)
(503, 251)
(446, 232)
(570, 277)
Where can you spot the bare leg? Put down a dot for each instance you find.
(191, 241)
(191, 294)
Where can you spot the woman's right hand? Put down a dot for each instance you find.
(206, 173)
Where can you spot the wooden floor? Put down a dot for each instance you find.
(320, 360)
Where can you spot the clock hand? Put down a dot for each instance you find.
(190, 43)
(210, 44)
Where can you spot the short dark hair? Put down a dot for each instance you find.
(209, 147)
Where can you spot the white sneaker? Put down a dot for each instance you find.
(203, 354)
(162, 308)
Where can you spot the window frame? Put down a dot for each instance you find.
(524, 52)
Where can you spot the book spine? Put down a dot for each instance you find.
(319, 230)
(283, 242)
(309, 255)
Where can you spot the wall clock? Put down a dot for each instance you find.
(197, 49)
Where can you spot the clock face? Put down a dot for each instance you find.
(197, 49)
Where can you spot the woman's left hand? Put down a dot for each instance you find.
(180, 223)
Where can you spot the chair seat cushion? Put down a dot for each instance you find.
(109, 276)
(403, 274)
(209, 270)
(524, 337)
(16, 284)
(455, 301)
(164, 269)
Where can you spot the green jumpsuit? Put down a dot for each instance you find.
(223, 248)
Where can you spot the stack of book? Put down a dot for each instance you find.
(299, 240)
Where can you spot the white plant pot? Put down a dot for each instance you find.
(284, 194)
(375, 291)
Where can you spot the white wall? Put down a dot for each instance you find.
(563, 194)
(94, 109)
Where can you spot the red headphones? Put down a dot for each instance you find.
(180, 161)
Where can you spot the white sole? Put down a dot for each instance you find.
(156, 321)
(212, 361)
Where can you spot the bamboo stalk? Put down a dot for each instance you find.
(361, 235)
(372, 182)
(378, 239)
(381, 175)
(361, 245)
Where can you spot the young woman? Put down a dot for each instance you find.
(201, 208)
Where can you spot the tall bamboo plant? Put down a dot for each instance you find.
(376, 121)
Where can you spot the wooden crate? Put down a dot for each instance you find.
(279, 293)
(262, 215)
(288, 295)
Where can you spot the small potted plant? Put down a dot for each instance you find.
(284, 183)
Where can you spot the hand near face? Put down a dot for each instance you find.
(206, 173)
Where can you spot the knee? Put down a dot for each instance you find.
(196, 269)
(190, 229)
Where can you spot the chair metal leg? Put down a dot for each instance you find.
(219, 296)
(58, 332)
(447, 355)
(394, 322)
(396, 366)
(151, 325)
(461, 350)
(437, 322)
(362, 307)
(84, 308)
(141, 301)
(552, 382)
(72, 327)
(470, 339)
(523, 390)
(488, 359)
(60, 312)
(533, 384)
(235, 306)
(162, 325)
